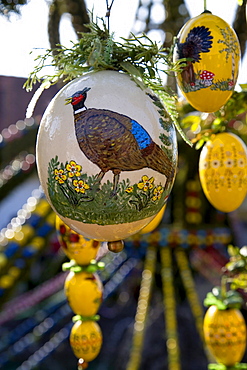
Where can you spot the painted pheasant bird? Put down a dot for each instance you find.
(115, 142)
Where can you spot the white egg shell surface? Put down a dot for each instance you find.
(109, 169)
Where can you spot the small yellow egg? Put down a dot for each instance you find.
(223, 171)
(74, 245)
(86, 340)
(212, 50)
(84, 292)
(155, 222)
(225, 334)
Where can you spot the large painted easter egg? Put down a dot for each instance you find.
(208, 78)
(86, 339)
(74, 245)
(106, 156)
(223, 171)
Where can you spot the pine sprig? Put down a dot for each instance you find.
(140, 57)
(97, 50)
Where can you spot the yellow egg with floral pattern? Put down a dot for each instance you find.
(223, 171)
(84, 292)
(86, 339)
(106, 155)
(210, 73)
(74, 245)
(225, 334)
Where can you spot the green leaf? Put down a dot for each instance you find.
(237, 283)
(151, 72)
(233, 304)
(131, 69)
(191, 120)
(76, 269)
(232, 299)
(238, 265)
(85, 318)
(243, 87)
(211, 300)
(170, 107)
(199, 144)
(240, 366)
(233, 251)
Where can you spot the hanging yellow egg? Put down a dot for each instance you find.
(74, 245)
(86, 340)
(155, 222)
(223, 171)
(210, 74)
(84, 292)
(106, 155)
(225, 334)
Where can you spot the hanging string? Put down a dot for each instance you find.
(108, 13)
(205, 5)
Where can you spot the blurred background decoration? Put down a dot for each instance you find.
(152, 310)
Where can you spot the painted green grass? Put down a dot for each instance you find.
(94, 203)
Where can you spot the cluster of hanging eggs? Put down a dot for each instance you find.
(106, 158)
(207, 81)
(212, 50)
(84, 290)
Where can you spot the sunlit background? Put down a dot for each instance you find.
(21, 35)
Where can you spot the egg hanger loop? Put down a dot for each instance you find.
(108, 13)
(205, 7)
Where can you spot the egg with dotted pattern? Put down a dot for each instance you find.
(225, 335)
(223, 171)
(86, 339)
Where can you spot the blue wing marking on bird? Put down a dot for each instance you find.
(142, 137)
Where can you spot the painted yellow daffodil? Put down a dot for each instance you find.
(60, 176)
(157, 193)
(146, 183)
(73, 169)
(80, 186)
